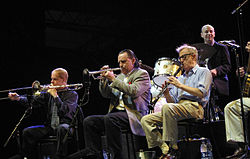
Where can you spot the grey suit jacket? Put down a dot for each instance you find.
(136, 96)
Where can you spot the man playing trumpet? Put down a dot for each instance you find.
(129, 95)
(59, 107)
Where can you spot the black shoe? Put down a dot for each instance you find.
(174, 153)
(16, 157)
(85, 154)
(239, 153)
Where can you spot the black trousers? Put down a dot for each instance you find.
(32, 134)
(110, 125)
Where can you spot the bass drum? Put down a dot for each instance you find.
(165, 67)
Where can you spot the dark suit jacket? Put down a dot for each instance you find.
(136, 96)
(220, 60)
(66, 103)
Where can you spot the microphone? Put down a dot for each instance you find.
(229, 43)
(36, 85)
(86, 78)
(36, 88)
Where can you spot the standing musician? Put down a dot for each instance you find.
(186, 99)
(129, 95)
(219, 65)
(233, 118)
(59, 106)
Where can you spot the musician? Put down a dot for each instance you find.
(186, 99)
(233, 120)
(219, 65)
(64, 102)
(129, 95)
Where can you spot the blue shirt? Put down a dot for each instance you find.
(198, 77)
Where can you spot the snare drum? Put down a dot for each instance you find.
(165, 67)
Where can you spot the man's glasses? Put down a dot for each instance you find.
(184, 56)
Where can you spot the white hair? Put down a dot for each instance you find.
(191, 49)
(205, 26)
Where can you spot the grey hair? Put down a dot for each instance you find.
(191, 49)
(207, 25)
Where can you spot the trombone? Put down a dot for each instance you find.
(37, 88)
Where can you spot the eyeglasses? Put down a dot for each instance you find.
(184, 56)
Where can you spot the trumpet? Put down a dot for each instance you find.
(100, 71)
(92, 73)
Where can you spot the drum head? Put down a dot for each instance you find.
(165, 67)
(159, 80)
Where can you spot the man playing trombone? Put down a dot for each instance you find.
(129, 95)
(59, 106)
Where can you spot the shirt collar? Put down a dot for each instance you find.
(193, 70)
(129, 72)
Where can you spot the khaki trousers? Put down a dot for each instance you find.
(233, 119)
(170, 114)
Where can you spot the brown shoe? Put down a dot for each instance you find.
(164, 156)
(238, 153)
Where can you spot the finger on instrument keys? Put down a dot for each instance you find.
(242, 71)
(164, 84)
(104, 68)
(248, 47)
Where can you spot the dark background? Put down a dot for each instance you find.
(39, 36)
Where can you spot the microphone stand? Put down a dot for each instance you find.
(74, 120)
(27, 111)
(238, 10)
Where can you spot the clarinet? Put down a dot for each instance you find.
(152, 103)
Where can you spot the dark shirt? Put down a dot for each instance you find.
(220, 61)
(216, 57)
(66, 103)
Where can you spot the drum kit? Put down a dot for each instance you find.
(164, 68)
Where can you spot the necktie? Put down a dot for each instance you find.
(54, 117)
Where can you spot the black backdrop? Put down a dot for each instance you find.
(40, 36)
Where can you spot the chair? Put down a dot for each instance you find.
(130, 144)
(190, 125)
(47, 146)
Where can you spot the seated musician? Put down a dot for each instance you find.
(59, 106)
(186, 99)
(129, 94)
(233, 120)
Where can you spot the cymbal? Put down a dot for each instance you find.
(149, 69)
(204, 50)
